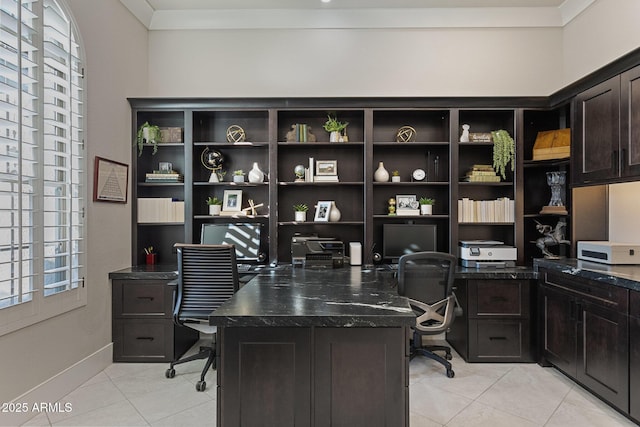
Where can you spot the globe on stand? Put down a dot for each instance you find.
(299, 171)
(212, 160)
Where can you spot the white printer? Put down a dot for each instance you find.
(609, 252)
(486, 253)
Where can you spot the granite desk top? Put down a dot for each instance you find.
(146, 272)
(298, 297)
(626, 276)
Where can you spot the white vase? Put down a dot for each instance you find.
(335, 136)
(238, 178)
(426, 209)
(300, 216)
(255, 174)
(334, 213)
(214, 210)
(395, 178)
(381, 174)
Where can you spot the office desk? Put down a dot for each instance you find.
(314, 348)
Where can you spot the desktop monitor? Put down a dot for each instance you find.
(245, 237)
(401, 239)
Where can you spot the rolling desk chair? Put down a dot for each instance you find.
(426, 278)
(207, 277)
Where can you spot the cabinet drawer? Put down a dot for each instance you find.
(499, 298)
(142, 340)
(634, 303)
(499, 340)
(608, 296)
(146, 298)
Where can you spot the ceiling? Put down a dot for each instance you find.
(278, 14)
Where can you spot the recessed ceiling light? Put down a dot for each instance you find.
(326, 1)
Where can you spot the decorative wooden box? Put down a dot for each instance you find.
(552, 144)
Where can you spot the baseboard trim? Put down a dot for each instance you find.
(58, 386)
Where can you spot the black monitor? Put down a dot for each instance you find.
(245, 237)
(401, 239)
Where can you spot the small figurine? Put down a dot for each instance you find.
(552, 237)
(392, 206)
(465, 134)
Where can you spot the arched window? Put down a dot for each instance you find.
(42, 165)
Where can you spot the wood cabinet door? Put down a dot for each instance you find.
(603, 364)
(559, 334)
(630, 122)
(596, 140)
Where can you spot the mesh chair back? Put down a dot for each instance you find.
(207, 278)
(426, 276)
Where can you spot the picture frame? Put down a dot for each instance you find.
(110, 181)
(232, 201)
(323, 208)
(326, 167)
(407, 201)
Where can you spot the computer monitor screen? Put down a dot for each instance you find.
(401, 239)
(245, 237)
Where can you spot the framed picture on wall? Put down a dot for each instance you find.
(110, 181)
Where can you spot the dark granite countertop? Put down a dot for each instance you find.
(298, 297)
(146, 272)
(626, 276)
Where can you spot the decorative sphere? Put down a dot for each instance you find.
(214, 159)
(299, 171)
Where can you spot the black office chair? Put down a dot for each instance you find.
(207, 278)
(426, 278)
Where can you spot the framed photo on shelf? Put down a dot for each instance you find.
(110, 181)
(407, 201)
(326, 167)
(232, 201)
(322, 211)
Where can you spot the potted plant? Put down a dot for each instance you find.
(300, 211)
(504, 151)
(220, 173)
(334, 127)
(215, 205)
(426, 205)
(238, 175)
(148, 134)
(395, 176)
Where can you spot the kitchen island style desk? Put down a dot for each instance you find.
(303, 347)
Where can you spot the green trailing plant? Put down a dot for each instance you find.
(301, 207)
(426, 201)
(154, 135)
(333, 125)
(504, 151)
(214, 201)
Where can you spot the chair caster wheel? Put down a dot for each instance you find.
(201, 386)
(450, 373)
(170, 373)
(448, 356)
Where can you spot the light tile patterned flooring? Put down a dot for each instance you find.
(510, 395)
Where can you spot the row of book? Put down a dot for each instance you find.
(499, 210)
(160, 209)
(481, 173)
(157, 176)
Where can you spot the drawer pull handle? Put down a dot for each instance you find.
(145, 338)
(148, 298)
(498, 338)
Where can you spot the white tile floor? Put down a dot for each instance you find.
(510, 395)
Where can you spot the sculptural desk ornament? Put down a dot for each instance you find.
(551, 237)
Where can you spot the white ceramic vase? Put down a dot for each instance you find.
(426, 209)
(335, 136)
(238, 178)
(300, 216)
(255, 174)
(381, 174)
(214, 210)
(334, 213)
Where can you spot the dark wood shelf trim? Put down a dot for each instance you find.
(227, 144)
(161, 184)
(426, 183)
(465, 224)
(228, 183)
(234, 217)
(411, 144)
(314, 223)
(155, 224)
(300, 184)
(322, 144)
(546, 163)
(387, 216)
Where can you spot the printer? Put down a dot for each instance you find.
(486, 253)
(311, 251)
(609, 252)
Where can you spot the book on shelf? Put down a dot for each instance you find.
(164, 177)
(481, 173)
(499, 210)
(325, 178)
(481, 178)
(160, 209)
(408, 212)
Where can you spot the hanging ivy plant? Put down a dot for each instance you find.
(504, 151)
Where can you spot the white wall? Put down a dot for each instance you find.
(605, 31)
(116, 46)
(333, 63)
(624, 209)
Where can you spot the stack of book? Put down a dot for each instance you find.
(160, 209)
(158, 176)
(481, 173)
(499, 210)
(325, 178)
